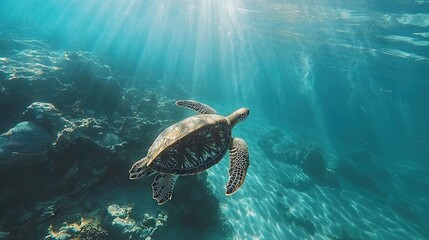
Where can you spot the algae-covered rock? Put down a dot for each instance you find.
(83, 152)
(117, 211)
(93, 130)
(46, 115)
(127, 227)
(22, 141)
(84, 229)
(73, 81)
(33, 136)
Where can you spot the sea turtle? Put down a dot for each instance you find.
(191, 146)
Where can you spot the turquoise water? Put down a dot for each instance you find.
(338, 131)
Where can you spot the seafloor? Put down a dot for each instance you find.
(71, 129)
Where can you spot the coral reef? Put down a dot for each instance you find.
(46, 115)
(310, 159)
(73, 81)
(70, 131)
(126, 226)
(84, 229)
(31, 138)
(24, 140)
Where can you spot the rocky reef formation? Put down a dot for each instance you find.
(309, 158)
(85, 229)
(70, 130)
(126, 225)
(356, 168)
(74, 81)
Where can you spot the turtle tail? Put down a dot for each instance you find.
(140, 169)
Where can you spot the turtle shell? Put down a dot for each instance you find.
(191, 145)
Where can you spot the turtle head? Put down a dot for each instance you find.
(238, 116)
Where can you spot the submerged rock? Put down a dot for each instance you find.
(128, 228)
(23, 141)
(189, 221)
(313, 165)
(279, 147)
(85, 229)
(34, 137)
(46, 115)
(74, 81)
(117, 211)
(93, 130)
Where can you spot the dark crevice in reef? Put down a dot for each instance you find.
(71, 129)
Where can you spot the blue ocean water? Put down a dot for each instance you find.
(338, 133)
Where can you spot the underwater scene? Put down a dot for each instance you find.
(228, 119)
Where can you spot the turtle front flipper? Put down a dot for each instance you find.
(140, 169)
(239, 162)
(162, 187)
(196, 106)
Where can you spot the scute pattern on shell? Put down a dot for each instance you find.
(203, 141)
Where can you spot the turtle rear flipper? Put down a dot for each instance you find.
(239, 162)
(196, 106)
(162, 187)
